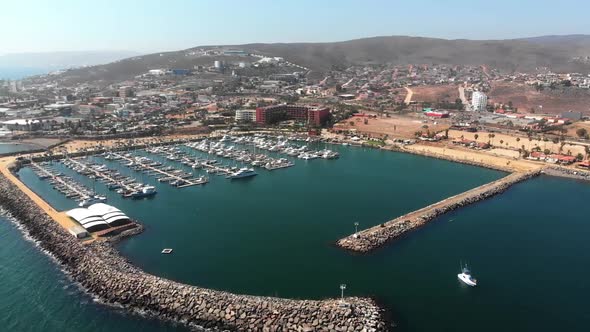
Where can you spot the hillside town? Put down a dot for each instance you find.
(234, 90)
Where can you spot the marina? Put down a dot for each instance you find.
(287, 226)
(180, 165)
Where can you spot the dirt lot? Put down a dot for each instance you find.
(525, 97)
(571, 129)
(396, 126)
(433, 93)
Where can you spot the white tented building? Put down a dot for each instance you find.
(98, 217)
(246, 115)
(479, 101)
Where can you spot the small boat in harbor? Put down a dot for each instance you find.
(465, 276)
(92, 200)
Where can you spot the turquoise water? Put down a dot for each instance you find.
(274, 235)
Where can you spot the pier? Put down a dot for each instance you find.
(186, 182)
(377, 236)
(103, 175)
(70, 187)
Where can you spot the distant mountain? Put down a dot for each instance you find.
(556, 39)
(524, 54)
(516, 54)
(23, 64)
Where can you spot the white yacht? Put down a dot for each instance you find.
(86, 202)
(145, 191)
(242, 173)
(466, 278)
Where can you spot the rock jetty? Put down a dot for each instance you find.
(561, 171)
(375, 237)
(104, 273)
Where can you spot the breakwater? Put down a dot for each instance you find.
(565, 172)
(103, 272)
(374, 237)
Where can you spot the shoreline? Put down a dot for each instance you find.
(102, 272)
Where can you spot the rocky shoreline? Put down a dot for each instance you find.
(567, 173)
(104, 273)
(375, 237)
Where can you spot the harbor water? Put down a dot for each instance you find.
(274, 235)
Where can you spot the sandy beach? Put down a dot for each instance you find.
(459, 154)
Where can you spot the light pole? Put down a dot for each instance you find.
(356, 235)
(342, 288)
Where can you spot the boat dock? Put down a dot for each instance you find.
(68, 188)
(104, 175)
(166, 175)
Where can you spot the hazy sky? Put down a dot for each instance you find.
(155, 25)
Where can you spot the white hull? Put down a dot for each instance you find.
(466, 279)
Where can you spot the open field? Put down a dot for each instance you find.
(525, 98)
(571, 129)
(396, 126)
(433, 93)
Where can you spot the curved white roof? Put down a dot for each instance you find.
(82, 214)
(97, 215)
(109, 213)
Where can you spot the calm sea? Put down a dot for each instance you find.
(274, 235)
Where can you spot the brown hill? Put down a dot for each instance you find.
(524, 55)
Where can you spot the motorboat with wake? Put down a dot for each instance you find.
(466, 277)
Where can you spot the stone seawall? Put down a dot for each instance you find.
(103, 272)
(565, 172)
(375, 237)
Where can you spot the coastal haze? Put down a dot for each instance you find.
(386, 167)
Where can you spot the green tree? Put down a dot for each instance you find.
(582, 132)
(476, 136)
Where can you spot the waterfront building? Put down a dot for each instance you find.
(98, 217)
(246, 115)
(479, 101)
(300, 113)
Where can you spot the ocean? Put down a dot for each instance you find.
(274, 235)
